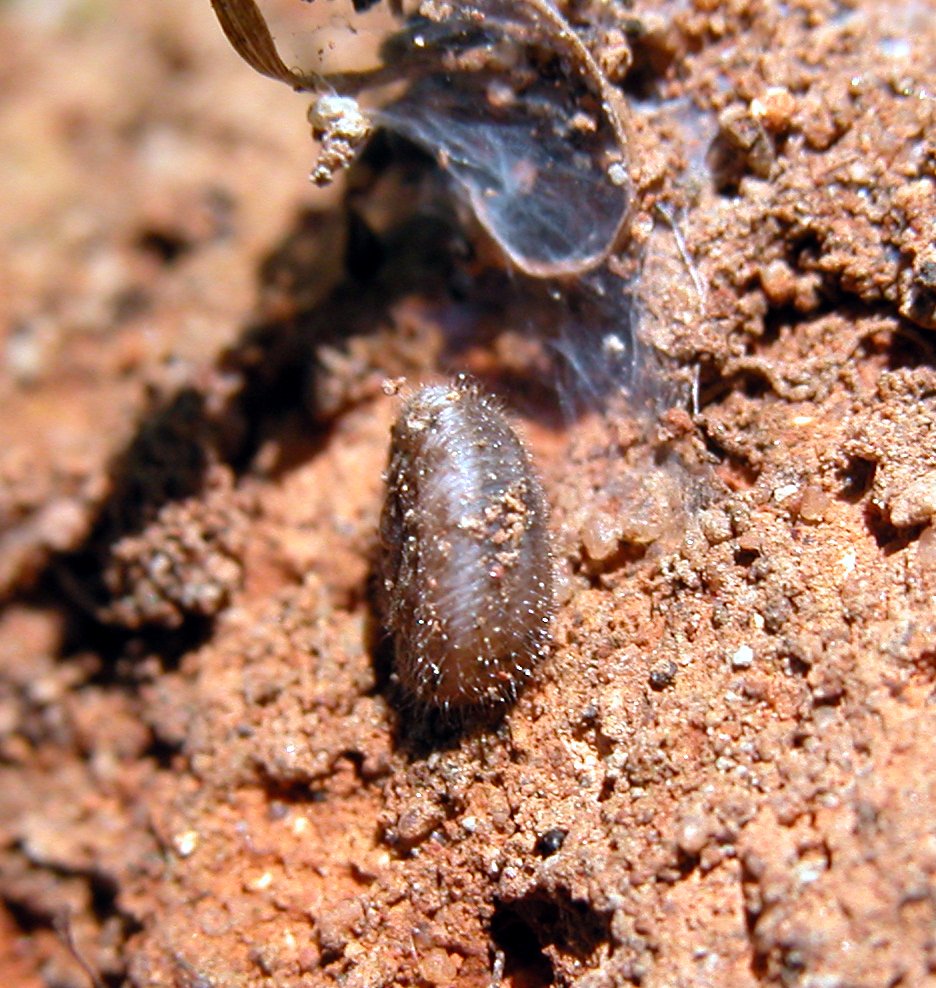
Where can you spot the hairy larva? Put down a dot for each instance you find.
(466, 573)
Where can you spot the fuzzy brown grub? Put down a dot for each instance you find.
(466, 571)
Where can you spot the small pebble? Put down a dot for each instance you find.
(916, 503)
(778, 281)
(743, 658)
(662, 675)
(775, 108)
(926, 548)
(813, 505)
(551, 841)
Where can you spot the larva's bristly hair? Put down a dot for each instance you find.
(465, 579)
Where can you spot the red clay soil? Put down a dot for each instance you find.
(723, 775)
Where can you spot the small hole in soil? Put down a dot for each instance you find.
(804, 250)
(800, 737)
(754, 385)
(797, 666)
(745, 557)
(857, 478)
(166, 246)
(737, 472)
(524, 960)
(829, 696)
(26, 919)
(626, 553)
(522, 929)
(364, 254)
(687, 864)
(889, 538)
(651, 64)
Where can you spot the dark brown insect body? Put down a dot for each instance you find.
(466, 578)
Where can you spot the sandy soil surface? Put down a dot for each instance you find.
(722, 776)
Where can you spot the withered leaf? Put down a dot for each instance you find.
(247, 30)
